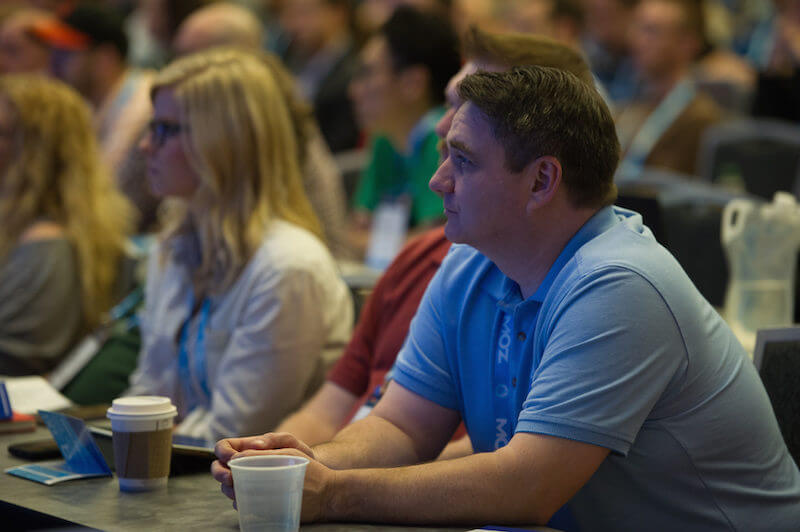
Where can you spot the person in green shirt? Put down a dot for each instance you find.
(398, 94)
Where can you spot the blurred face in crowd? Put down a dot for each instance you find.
(465, 13)
(19, 52)
(376, 89)
(607, 22)
(312, 23)
(530, 16)
(659, 38)
(169, 171)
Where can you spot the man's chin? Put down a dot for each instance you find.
(452, 233)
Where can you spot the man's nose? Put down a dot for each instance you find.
(441, 182)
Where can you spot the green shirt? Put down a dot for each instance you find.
(390, 175)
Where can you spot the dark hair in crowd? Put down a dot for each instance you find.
(571, 10)
(519, 49)
(537, 111)
(426, 39)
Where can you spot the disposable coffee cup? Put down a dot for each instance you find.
(269, 492)
(142, 436)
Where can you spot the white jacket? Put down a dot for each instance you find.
(264, 339)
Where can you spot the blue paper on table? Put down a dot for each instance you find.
(5, 403)
(83, 458)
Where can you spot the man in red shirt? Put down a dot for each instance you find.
(358, 376)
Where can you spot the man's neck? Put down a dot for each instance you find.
(528, 258)
(657, 87)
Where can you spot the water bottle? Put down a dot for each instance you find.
(761, 242)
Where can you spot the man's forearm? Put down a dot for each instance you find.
(370, 442)
(524, 482)
(473, 490)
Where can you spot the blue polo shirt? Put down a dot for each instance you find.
(616, 348)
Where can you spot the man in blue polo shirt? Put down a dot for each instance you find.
(586, 366)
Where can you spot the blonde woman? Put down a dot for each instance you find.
(63, 224)
(242, 297)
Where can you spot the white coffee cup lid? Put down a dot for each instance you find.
(143, 405)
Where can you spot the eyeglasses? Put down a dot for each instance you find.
(160, 131)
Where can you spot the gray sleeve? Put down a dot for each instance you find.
(41, 314)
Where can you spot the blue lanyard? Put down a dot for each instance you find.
(654, 127)
(195, 380)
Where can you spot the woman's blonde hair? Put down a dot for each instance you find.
(239, 138)
(55, 174)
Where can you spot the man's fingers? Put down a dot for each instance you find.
(228, 492)
(225, 449)
(221, 473)
(284, 452)
(284, 440)
(229, 446)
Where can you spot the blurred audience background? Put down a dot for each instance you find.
(364, 82)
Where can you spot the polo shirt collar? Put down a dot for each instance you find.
(507, 292)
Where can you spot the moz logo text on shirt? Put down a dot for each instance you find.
(501, 390)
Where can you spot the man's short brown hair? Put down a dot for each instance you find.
(537, 111)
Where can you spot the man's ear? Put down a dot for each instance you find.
(543, 175)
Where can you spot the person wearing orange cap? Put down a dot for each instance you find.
(19, 51)
(88, 51)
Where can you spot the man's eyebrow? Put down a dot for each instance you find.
(460, 146)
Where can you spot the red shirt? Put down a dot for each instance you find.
(386, 316)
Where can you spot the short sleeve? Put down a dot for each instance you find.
(612, 348)
(422, 365)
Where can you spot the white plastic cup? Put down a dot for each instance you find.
(269, 491)
(142, 436)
